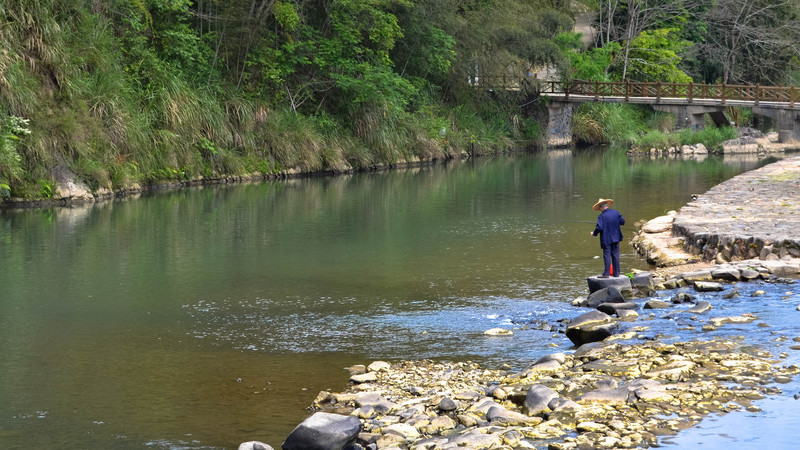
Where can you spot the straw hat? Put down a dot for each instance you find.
(596, 206)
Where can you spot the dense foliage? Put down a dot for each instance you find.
(125, 92)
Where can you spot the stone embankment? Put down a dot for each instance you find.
(753, 215)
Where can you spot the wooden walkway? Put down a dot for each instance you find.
(783, 97)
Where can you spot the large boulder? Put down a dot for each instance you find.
(537, 400)
(324, 431)
(606, 295)
(596, 283)
(591, 327)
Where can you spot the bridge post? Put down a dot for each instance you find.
(691, 117)
(788, 124)
(559, 123)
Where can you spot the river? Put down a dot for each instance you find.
(202, 318)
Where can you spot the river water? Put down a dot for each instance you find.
(202, 318)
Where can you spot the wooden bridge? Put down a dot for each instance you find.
(689, 102)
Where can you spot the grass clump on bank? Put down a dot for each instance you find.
(640, 127)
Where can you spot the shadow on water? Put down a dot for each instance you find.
(206, 317)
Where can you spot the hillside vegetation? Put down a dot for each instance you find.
(130, 92)
(123, 93)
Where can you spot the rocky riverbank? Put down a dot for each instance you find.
(625, 391)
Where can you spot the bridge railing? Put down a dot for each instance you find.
(688, 91)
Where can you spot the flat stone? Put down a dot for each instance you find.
(614, 396)
(498, 332)
(476, 440)
(657, 304)
(543, 367)
(671, 371)
(708, 286)
(749, 274)
(378, 366)
(717, 321)
(614, 308)
(700, 308)
(621, 283)
(727, 274)
(402, 429)
(502, 416)
(659, 224)
(699, 275)
(369, 377)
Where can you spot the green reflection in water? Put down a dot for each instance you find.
(130, 322)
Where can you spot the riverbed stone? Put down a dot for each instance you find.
(447, 404)
(700, 308)
(606, 295)
(642, 280)
(323, 431)
(542, 367)
(618, 396)
(614, 308)
(657, 304)
(733, 293)
(749, 274)
(627, 315)
(254, 445)
(591, 327)
(537, 399)
(379, 366)
(402, 429)
(368, 377)
(726, 274)
(717, 321)
(708, 286)
(498, 332)
(621, 283)
(698, 275)
(499, 415)
(682, 297)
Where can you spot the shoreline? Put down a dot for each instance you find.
(72, 193)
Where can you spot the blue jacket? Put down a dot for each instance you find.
(608, 223)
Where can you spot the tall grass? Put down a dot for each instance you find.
(604, 123)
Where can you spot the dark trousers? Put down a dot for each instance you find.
(611, 255)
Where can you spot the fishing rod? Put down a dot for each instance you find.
(572, 221)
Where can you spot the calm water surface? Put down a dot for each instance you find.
(203, 318)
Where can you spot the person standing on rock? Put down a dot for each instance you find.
(608, 223)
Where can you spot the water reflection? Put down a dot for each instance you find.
(130, 322)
